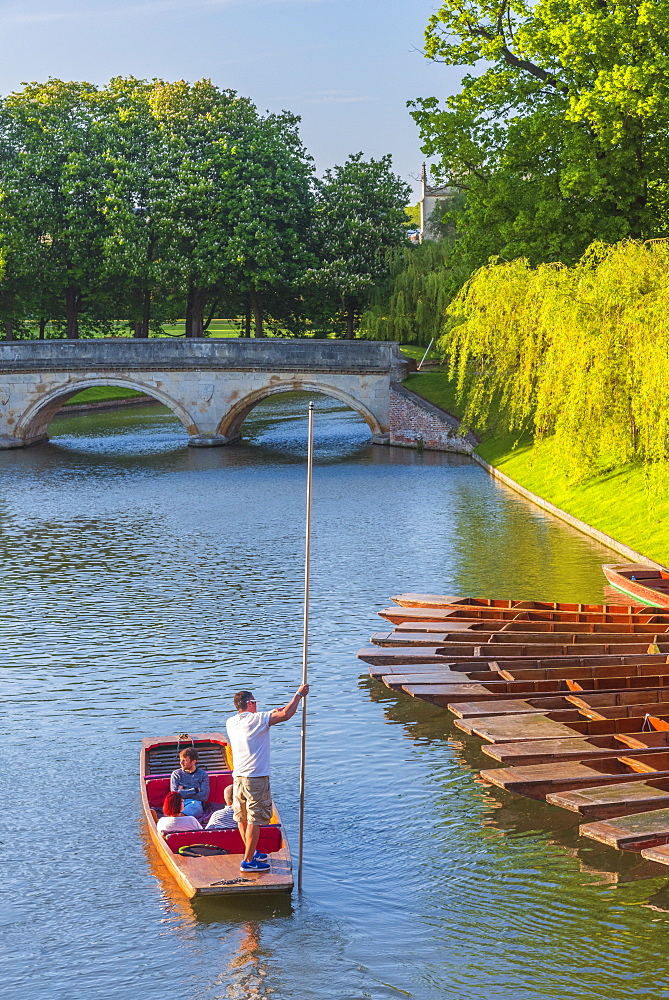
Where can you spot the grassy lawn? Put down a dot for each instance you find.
(616, 502)
(101, 394)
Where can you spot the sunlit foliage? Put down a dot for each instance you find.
(580, 353)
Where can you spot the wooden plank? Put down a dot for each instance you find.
(496, 651)
(512, 664)
(606, 801)
(447, 694)
(513, 728)
(471, 635)
(523, 625)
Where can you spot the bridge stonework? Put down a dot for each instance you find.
(211, 385)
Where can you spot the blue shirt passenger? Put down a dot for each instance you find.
(191, 782)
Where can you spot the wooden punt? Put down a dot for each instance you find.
(573, 678)
(644, 832)
(592, 704)
(447, 695)
(645, 582)
(524, 625)
(658, 854)
(440, 601)
(217, 875)
(558, 723)
(496, 651)
(519, 632)
(546, 751)
(606, 801)
(539, 780)
(513, 665)
(403, 616)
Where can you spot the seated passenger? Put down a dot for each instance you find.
(222, 819)
(191, 782)
(174, 820)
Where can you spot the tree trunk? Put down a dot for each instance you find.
(42, 328)
(194, 312)
(9, 330)
(350, 322)
(72, 312)
(256, 308)
(141, 326)
(247, 318)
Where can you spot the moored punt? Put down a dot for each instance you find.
(645, 582)
(526, 626)
(410, 600)
(605, 801)
(517, 632)
(214, 874)
(446, 695)
(546, 751)
(642, 831)
(497, 651)
(399, 616)
(512, 665)
(558, 723)
(573, 678)
(592, 704)
(539, 780)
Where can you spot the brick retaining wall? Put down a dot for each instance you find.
(416, 423)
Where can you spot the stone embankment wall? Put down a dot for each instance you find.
(416, 423)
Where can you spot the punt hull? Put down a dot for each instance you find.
(636, 580)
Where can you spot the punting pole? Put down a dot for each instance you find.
(305, 641)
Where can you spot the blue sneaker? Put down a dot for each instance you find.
(259, 856)
(254, 866)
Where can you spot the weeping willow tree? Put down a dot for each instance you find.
(411, 306)
(577, 353)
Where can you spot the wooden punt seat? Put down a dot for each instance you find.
(606, 801)
(646, 832)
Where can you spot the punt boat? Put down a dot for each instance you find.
(544, 632)
(510, 665)
(648, 583)
(537, 781)
(555, 723)
(656, 624)
(401, 615)
(380, 655)
(441, 601)
(206, 862)
(545, 751)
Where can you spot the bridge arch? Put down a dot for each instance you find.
(231, 424)
(33, 423)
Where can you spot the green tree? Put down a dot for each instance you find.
(52, 137)
(359, 217)
(267, 251)
(561, 135)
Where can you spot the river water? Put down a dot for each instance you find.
(142, 584)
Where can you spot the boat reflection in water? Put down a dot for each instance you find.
(231, 927)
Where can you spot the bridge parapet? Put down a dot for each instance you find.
(222, 354)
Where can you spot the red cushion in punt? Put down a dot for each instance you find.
(270, 839)
(157, 788)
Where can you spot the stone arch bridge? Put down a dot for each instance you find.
(211, 385)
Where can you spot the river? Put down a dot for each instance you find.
(143, 583)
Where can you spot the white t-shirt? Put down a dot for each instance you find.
(248, 733)
(174, 824)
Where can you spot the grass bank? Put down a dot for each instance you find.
(102, 394)
(616, 502)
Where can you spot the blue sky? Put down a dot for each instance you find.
(347, 67)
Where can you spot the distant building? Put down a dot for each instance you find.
(430, 199)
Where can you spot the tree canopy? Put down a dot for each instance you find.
(560, 136)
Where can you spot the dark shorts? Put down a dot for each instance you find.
(252, 800)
